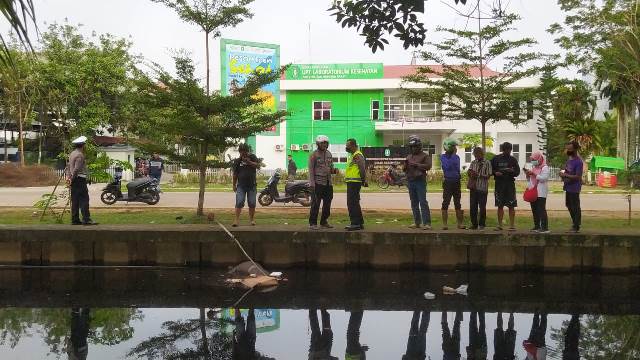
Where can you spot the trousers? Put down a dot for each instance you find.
(324, 194)
(79, 200)
(353, 203)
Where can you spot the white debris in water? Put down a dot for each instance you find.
(276, 274)
(462, 289)
(429, 296)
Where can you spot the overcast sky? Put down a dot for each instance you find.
(303, 28)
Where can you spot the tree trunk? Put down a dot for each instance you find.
(20, 135)
(484, 136)
(206, 45)
(203, 180)
(482, 94)
(6, 146)
(203, 333)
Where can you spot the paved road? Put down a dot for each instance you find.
(26, 197)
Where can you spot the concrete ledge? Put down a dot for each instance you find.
(286, 247)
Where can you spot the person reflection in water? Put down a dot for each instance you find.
(355, 351)
(451, 340)
(535, 345)
(504, 342)
(244, 338)
(477, 349)
(77, 348)
(571, 339)
(321, 340)
(417, 343)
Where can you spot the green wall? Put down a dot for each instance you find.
(350, 118)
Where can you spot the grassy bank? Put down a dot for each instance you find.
(559, 220)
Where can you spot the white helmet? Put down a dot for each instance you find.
(321, 139)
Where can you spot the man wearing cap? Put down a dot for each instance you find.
(320, 170)
(77, 175)
(450, 163)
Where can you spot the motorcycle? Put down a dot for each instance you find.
(143, 190)
(388, 178)
(294, 191)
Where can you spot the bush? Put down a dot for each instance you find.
(23, 176)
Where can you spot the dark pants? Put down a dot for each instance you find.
(353, 203)
(419, 204)
(478, 201)
(451, 189)
(539, 210)
(324, 194)
(79, 200)
(572, 201)
(417, 342)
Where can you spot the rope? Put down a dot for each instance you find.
(242, 249)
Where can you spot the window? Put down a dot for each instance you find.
(468, 151)
(401, 109)
(529, 109)
(322, 110)
(431, 149)
(528, 150)
(398, 142)
(375, 109)
(338, 152)
(516, 152)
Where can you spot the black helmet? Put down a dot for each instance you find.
(414, 141)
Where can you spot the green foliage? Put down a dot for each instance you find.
(470, 90)
(473, 140)
(18, 13)
(210, 15)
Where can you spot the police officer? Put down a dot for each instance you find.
(77, 177)
(156, 166)
(355, 177)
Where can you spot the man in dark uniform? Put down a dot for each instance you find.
(292, 168)
(77, 175)
(156, 166)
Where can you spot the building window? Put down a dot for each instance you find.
(468, 151)
(431, 149)
(516, 152)
(409, 110)
(338, 152)
(529, 109)
(322, 110)
(398, 142)
(375, 109)
(528, 150)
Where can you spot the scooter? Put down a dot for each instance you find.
(143, 190)
(294, 191)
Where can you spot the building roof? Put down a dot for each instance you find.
(108, 140)
(400, 71)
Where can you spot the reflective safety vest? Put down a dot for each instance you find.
(352, 173)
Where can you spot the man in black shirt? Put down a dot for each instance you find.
(244, 182)
(505, 170)
(292, 168)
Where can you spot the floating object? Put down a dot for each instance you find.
(460, 290)
(429, 296)
(447, 290)
(276, 274)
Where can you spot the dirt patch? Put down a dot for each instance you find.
(24, 176)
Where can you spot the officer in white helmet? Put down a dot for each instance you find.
(77, 176)
(320, 171)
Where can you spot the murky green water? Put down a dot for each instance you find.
(178, 314)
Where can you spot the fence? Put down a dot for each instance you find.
(127, 175)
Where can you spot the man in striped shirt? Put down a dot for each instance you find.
(479, 173)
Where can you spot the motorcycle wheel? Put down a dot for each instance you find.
(108, 198)
(155, 198)
(305, 200)
(383, 183)
(265, 199)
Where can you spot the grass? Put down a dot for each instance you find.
(559, 220)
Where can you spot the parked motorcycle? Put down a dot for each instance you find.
(143, 190)
(389, 178)
(294, 191)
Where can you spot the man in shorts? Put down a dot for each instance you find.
(244, 182)
(505, 170)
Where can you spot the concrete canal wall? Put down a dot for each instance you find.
(287, 246)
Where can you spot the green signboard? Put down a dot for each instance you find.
(335, 71)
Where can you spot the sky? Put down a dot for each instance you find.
(304, 29)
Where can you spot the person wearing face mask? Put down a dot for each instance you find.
(572, 177)
(356, 178)
(416, 166)
(450, 163)
(538, 177)
(320, 170)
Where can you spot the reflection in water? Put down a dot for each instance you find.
(477, 349)
(321, 340)
(535, 345)
(417, 343)
(355, 351)
(571, 339)
(78, 347)
(451, 340)
(504, 342)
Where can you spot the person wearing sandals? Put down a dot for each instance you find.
(450, 163)
(416, 166)
(538, 177)
(478, 185)
(244, 182)
(505, 170)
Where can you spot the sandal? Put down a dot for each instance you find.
(498, 228)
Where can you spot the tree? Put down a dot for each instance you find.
(18, 13)
(211, 16)
(474, 140)
(606, 127)
(544, 105)
(470, 90)
(373, 18)
(193, 128)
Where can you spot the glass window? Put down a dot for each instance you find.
(401, 109)
(375, 109)
(529, 109)
(516, 152)
(322, 110)
(398, 142)
(468, 154)
(338, 152)
(528, 150)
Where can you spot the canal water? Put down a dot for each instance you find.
(186, 314)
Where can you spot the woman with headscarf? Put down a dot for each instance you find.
(538, 177)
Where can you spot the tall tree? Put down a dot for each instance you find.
(470, 90)
(211, 16)
(193, 128)
(549, 82)
(375, 18)
(19, 14)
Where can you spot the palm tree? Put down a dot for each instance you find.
(18, 13)
(585, 132)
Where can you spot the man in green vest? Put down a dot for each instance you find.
(355, 177)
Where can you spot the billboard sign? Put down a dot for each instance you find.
(335, 71)
(238, 59)
(267, 320)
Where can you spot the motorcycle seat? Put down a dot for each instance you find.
(138, 182)
(296, 183)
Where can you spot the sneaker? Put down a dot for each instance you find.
(473, 227)
(89, 223)
(544, 231)
(535, 229)
(313, 227)
(481, 228)
(498, 228)
(414, 226)
(511, 228)
(326, 226)
(426, 227)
